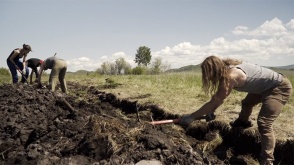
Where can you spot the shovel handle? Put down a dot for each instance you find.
(208, 118)
(22, 75)
(164, 121)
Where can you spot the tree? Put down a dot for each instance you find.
(138, 70)
(113, 69)
(121, 64)
(105, 68)
(108, 68)
(143, 56)
(157, 66)
(128, 69)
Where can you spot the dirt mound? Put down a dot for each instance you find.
(92, 127)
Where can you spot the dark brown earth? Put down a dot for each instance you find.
(92, 127)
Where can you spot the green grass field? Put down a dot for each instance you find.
(181, 93)
(176, 92)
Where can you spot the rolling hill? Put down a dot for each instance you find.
(287, 67)
(198, 68)
(186, 68)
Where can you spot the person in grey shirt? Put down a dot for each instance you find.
(263, 85)
(58, 70)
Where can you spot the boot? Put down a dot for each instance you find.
(240, 123)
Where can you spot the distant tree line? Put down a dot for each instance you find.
(144, 65)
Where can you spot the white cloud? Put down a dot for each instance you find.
(274, 27)
(239, 30)
(290, 25)
(115, 56)
(85, 63)
(271, 41)
(82, 63)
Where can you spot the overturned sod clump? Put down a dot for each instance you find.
(93, 127)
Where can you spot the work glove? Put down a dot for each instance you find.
(240, 123)
(24, 72)
(210, 117)
(186, 120)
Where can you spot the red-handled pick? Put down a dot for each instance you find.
(165, 121)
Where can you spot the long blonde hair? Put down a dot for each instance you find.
(214, 72)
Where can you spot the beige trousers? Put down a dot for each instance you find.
(272, 101)
(58, 71)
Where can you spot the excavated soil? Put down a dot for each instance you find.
(92, 127)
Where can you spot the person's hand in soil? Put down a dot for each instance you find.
(210, 117)
(186, 120)
(41, 86)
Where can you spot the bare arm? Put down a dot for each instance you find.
(24, 61)
(42, 67)
(31, 77)
(216, 100)
(237, 78)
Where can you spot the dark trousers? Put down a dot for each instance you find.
(13, 71)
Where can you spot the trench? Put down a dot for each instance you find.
(242, 141)
(90, 126)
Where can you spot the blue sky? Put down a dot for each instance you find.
(87, 33)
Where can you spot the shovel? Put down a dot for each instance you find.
(207, 117)
(23, 76)
(165, 121)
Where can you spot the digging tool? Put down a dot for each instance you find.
(23, 76)
(208, 118)
(68, 106)
(165, 121)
